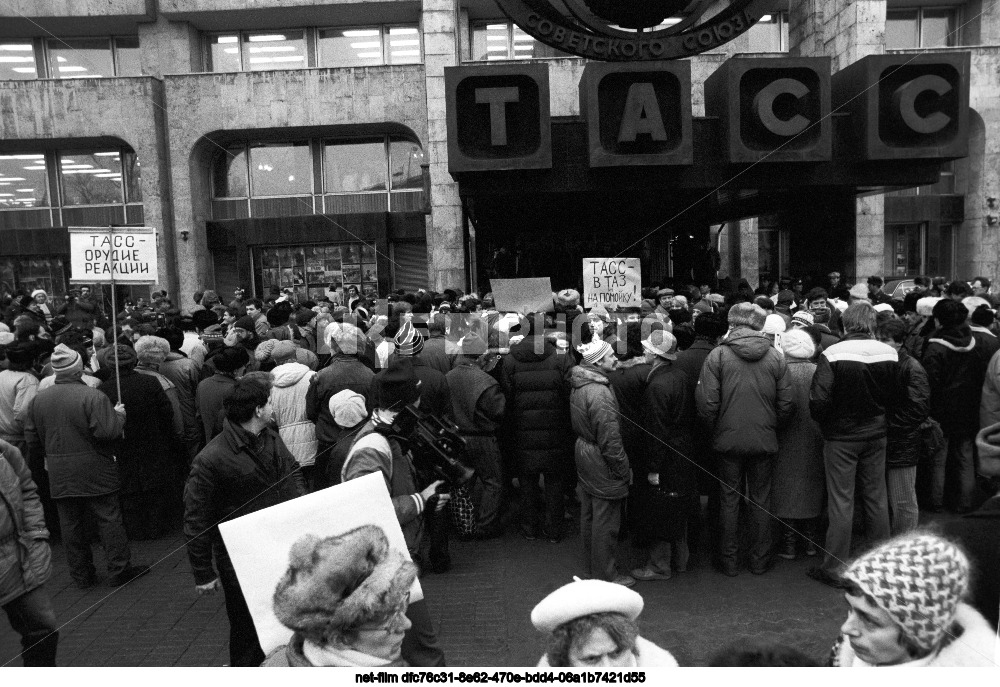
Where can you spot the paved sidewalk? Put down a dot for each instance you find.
(481, 607)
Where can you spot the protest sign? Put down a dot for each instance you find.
(612, 282)
(532, 294)
(124, 255)
(258, 543)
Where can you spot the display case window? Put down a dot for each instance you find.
(316, 271)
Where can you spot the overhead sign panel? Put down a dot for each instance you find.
(638, 114)
(498, 117)
(124, 255)
(907, 106)
(776, 109)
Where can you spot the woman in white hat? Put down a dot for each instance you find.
(41, 304)
(591, 624)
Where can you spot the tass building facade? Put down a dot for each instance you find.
(398, 144)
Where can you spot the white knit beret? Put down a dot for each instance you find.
(925, 306)
(584, 597)
(918, 579)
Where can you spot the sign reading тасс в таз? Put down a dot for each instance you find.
(126, 255)
(611, 282)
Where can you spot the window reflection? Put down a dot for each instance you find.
(353, 47)
(280, 169)
(230, 173)
(405, 158)
(355, 166)
(80, 58)
(127, 62)
(224, 53)
(91, 178)
(17, 61)
(274, 50)
(23, 181)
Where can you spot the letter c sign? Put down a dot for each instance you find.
(763, 105)
(904, 102)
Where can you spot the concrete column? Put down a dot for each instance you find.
(846, 30)
(167, 47)
(739, 249)
(445, 240)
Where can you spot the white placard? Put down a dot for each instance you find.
(258, 543)
(126, 253)
(612, 282)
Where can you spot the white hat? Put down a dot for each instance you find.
(39, 291)
(883, 307)
(661, 343)
(973, 302)
(860, 291)
(584, 597)
(925, 306)
(774, 324)
(347, 408)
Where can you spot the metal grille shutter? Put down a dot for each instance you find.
(409, 271)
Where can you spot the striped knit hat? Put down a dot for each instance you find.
(594, 351)
(918, 579)
(65, 361)
(408, 340)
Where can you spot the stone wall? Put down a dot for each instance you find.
(202, 104)
(53, 112)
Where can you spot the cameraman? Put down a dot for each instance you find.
(392, 389)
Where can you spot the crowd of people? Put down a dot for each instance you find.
(747, 424)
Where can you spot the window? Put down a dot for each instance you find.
(23, 181)
(365, 174)
(93, 58)
(280, 169)
(769, 34)
(313, 271)
(358, 46)
(352, 167)
(506, 41)
(255, 51)
(405, 158)
(369, 45)
(91, 178)
(920, 28)
(17, 61)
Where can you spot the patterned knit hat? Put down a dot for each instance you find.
(803, 318)
(65, 361)
(408, 340)
(594, 351)
(918, 579)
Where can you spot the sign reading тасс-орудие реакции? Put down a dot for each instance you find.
(126, 255)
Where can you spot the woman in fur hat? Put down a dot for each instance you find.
(345, 598)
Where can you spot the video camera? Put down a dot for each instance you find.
(435, 444)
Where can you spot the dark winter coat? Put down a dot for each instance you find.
(799, 478)
(744, 394)
(669, 408)
(343, 372)
(25, 557)
(908, 411)
(477, 404)
(73, 426)
(234, 475)
(979, 533)
(601, 462)
(209, 397)
(148, 450)
(435, 354)
(536, 385)
(955, 371)
(854, 385)
(629, 384)
(185, 374)
(691, 360)
(435, 399)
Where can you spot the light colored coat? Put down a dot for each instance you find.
(25, 557)
(799, 481)
(288, 399)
